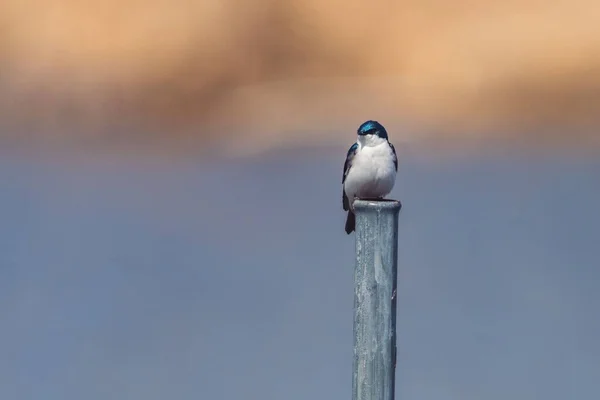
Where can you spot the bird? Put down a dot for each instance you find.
(370, 169)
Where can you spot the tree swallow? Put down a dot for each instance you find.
(370, 168)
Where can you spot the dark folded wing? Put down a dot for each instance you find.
(349, 157)
(347, 165)
(395, 157)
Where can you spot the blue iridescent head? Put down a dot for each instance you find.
(372, 128)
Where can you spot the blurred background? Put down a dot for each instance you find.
(170, 206)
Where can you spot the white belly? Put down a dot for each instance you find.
(372, 174)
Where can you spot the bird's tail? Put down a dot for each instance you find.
(350, 222)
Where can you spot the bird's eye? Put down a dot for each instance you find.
(371, 131)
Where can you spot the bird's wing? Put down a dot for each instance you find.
(395, 157)
(351, 153)
(345, 201)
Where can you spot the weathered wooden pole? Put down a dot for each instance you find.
(375, 277)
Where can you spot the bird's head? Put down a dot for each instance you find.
(372, 128)
(372, 132)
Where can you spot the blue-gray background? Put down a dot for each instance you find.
(224, 279)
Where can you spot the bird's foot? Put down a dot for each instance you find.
(369, 198)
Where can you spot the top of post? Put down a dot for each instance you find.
(377, 205)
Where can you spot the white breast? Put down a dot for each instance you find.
(372, 174)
